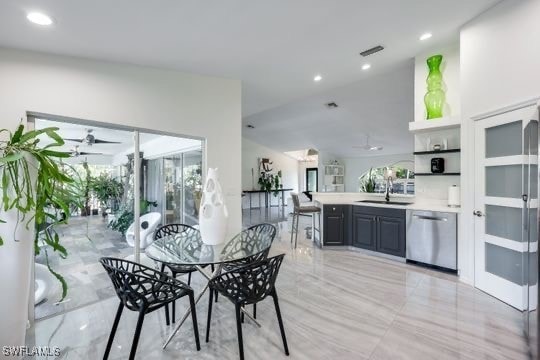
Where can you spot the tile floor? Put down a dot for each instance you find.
(86, 240)
(336, 305)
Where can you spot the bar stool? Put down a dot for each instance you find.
(304, 210)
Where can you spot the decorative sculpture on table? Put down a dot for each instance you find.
(435, 97)
(213, 214)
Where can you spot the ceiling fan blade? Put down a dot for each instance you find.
(89, 153)
(99, 141)
(76, 140)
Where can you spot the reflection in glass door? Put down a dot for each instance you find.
(182, 187)
(172, 211)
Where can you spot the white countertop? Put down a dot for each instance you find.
(354, 198)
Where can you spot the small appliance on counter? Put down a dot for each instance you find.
(437, 165)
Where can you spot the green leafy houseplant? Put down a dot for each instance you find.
(367, 182)
(105, 188)
(125, 217)
(270, 182)
(33, 185)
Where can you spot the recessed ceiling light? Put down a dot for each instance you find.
(317, 78)
(366, 66)
(425, 36)
(39, 18)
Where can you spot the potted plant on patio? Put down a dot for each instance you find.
(105, 189)
(31, 190)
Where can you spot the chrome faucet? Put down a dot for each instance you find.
(389, 186)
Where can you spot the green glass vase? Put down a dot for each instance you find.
(435, 97)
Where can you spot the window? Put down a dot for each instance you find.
(374, 180)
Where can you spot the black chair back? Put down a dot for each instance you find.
(256, 240)
(170, 229)
(140, 287)
(249, 284)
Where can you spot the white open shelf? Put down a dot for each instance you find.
(451, 122)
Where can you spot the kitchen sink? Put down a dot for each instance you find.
(385, 202)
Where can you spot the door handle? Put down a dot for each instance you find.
(478, 213)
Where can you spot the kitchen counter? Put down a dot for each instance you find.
(355, 198)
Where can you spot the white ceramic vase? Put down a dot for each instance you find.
(213, 213)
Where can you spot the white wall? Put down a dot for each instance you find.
(356, 167)
(120, 94)
(500, 66)
(251, 152)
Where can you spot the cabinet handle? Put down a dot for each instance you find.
(433, 218)
(342, 215)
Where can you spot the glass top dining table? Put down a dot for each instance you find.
(187, 248)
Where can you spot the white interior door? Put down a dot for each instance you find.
(502, 202)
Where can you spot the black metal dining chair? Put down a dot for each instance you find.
(167, 230)
(144, 290)
(246, 285)
(256, 239)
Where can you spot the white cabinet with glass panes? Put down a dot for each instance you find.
(334, 178)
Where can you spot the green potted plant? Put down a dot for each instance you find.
(125, 216)
(270, 182)
(106, 189)
(32, 187)
(367, 182)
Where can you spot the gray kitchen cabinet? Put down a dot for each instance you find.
(379, 229)
(391, 234)
(364, 231)
(335, 224)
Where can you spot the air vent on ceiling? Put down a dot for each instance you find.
(331, 105)
(372, 51)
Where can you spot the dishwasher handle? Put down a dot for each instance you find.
(432, 218)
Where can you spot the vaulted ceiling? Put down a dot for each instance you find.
(275, 48)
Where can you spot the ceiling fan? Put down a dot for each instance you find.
(368, 146)
(90, 139)
(76, 153)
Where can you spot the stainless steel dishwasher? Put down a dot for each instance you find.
(432, 238)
